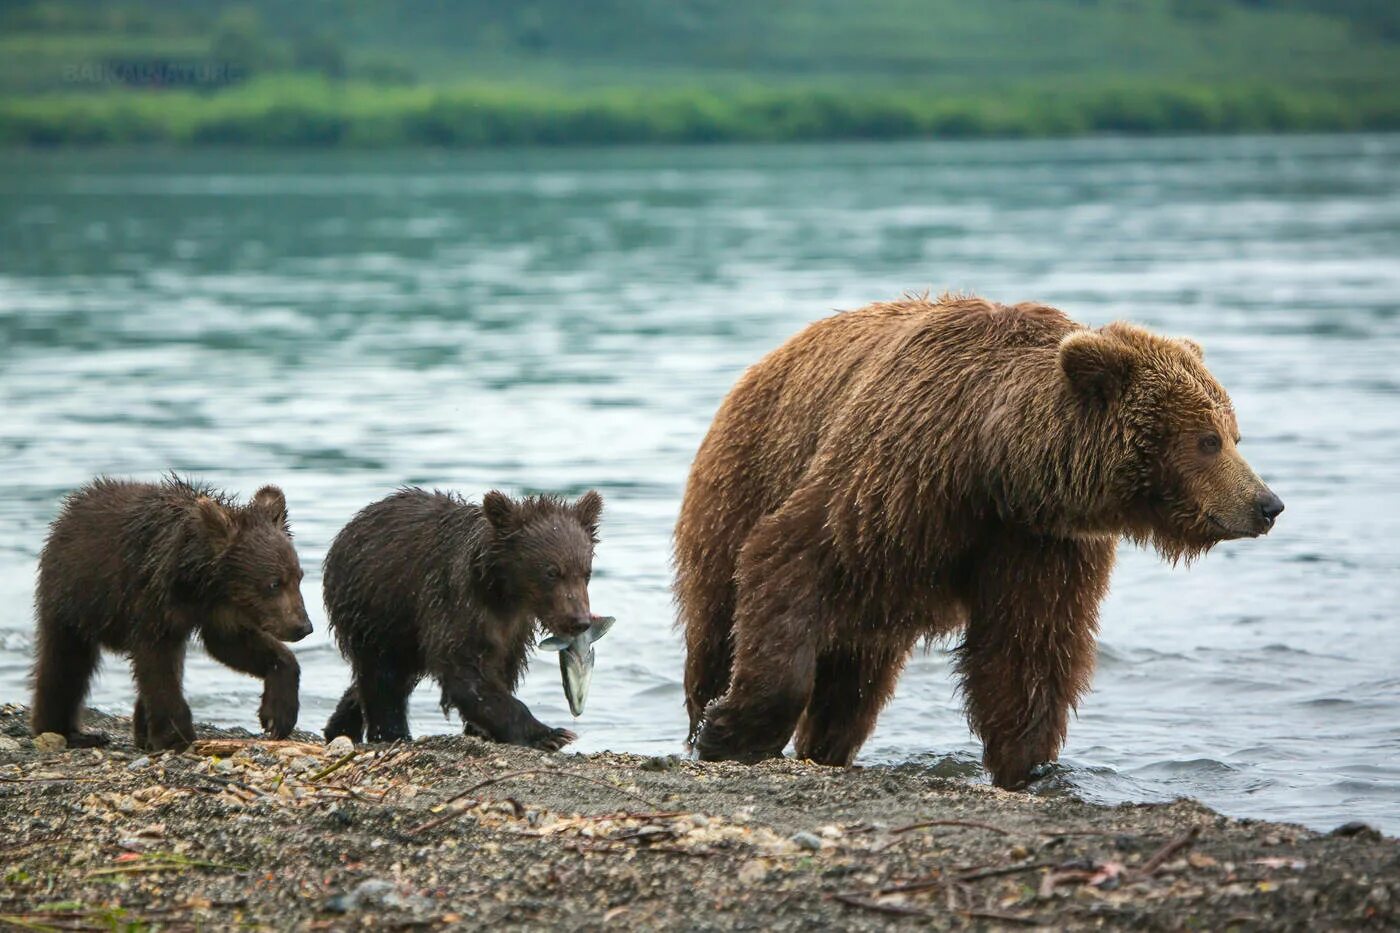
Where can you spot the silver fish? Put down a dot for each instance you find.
(576, 660)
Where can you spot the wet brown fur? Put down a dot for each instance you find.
(136, 568)
(921, 467)
(426, 583)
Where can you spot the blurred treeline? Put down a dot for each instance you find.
(473, 73)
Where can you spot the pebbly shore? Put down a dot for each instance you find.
(454, 832)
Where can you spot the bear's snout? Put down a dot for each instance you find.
(1267, 507)
(295, 624)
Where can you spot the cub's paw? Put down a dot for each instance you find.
(553, 740)
(278, 715)
(86, 739)
(174, 731)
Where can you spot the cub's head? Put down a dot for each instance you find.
(543, 550)
(258, 574)
(1177, 476)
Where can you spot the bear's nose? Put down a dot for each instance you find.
(1269, 506)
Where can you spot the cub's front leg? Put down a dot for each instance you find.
(491, 709)
(255, 652)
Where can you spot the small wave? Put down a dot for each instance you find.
(1325, 702)
(20, 642)
(660, 691)
(960, 766)
(1171, 769)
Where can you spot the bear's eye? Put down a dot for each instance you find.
(551, 573)
(274, 586)
(1210, 444)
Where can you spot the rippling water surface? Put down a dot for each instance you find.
(341, 324)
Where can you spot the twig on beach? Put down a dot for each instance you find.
(899, 910)
(452, 815)
(1003, 917)
(10, 847)
(230, 782)
(624, 815)
(333, 767)
(608, 846)
(1159, 858)
(225, 748)
(934, 881)
(898, 831)
(972, 824)
(1054, 879)
(978, 875)
(160, 862)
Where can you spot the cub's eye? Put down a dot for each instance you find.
(1210, 444)
(552, 573)
(274, 586)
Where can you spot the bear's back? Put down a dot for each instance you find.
(398, 559)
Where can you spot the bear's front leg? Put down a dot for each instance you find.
(253, 651)
(853, 683)
(161, 707)
(491, 709)
(1029, 650)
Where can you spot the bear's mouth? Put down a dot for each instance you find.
(1230, 531)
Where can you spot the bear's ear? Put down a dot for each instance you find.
(1097, 366)
(271, 502)
(215, 522)
(1194, 348)
(499, 511)
(588, 509)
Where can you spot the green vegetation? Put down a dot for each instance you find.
(301, 112)
(478, 73)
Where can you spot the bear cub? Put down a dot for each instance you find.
(136, 568)
(427, 583)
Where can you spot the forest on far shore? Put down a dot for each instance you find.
(368, 73)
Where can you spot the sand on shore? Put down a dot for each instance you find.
(457, 832)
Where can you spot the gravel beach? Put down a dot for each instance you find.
(452, 832)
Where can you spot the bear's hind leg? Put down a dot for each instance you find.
(705, 599)
(349, 718)
(159, 670)
(778, 627)
(63, 669)
(384, 690)
(1029, 650)
(709, 655)
(139, 724)
(852, 685)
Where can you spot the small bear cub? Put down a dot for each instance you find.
(426, 583)
(136, 568)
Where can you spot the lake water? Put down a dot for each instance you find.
(345, 323)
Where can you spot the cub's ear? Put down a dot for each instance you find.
(588, 509)
(270, 501)
(1097, 366)
(499, 511)
(215, 522)
(1194, 348)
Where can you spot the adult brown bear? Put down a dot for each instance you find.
(915, 468)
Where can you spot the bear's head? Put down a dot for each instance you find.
(543, 555)
(1175, 472)
(257, 574)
